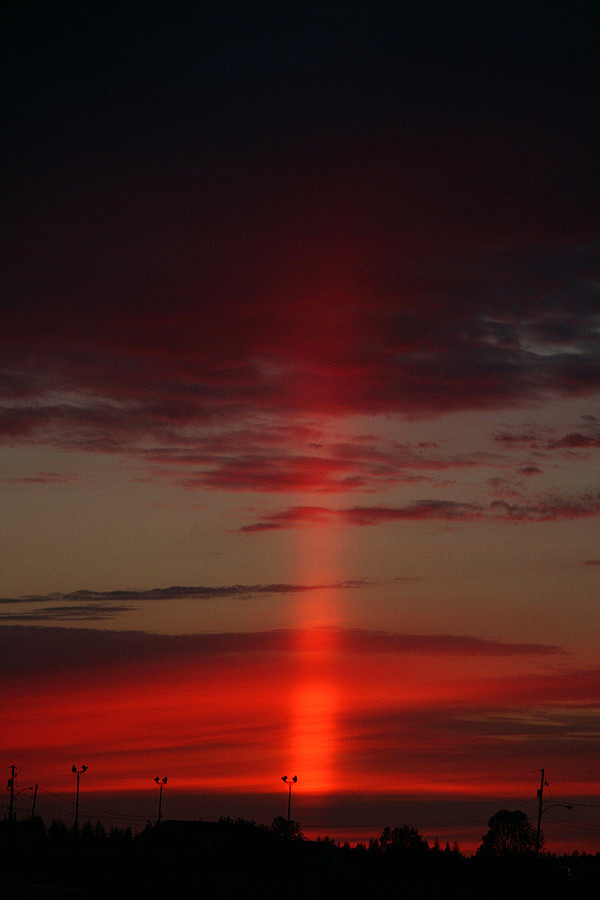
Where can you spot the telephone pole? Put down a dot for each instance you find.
(77, 772)
(540, 795)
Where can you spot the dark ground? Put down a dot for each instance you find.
(231, 859)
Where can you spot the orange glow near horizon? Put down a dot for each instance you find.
(317, 702)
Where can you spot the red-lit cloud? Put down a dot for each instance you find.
(575, 440)
(545, 510)
(28, 649)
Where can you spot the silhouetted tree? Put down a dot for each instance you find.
(510, 834)
(58, 833)
(120, 836)
(287, 829)
(403, 839)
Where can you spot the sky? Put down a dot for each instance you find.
(299, 413)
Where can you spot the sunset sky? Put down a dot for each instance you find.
(299, 413)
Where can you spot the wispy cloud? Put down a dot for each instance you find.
(43, 478)
(83, 598)
(546, 509)
(541, 439)
(85, 613)
(550, 508)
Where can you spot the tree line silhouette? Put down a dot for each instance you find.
(232, 858)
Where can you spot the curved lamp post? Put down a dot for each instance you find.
(78, 773)
(161, 783)
(542, 811)
(289, 782)
(20, 792)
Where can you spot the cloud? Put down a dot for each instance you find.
(43, 478)
(588, 437)
(547, 509)
(330, 467)
(422, 510)
(277, 457)
(32, 649)
(550, 509)
(176, 592)
(303, 264)
(575, 439)
(64, 614)
(292, 517)
(523, 437)
(381, 335)
(365, 641)
(287, 473)
(367, 515)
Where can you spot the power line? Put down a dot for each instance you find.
(589, 805)
(105, 812)
(594, 825)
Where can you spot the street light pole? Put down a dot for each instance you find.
(545, 809)
(14, 814)
(77, 772)
(11, 785)
(289, 783)
(161, 783)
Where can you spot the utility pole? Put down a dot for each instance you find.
(77, 772)
(34, 799)
(540, 795)
(11, 785)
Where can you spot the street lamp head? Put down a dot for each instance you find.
(74, 769)
(23, 789)
(284, 777)
(84, 768)
(295, 778)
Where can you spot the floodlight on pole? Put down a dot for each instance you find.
(161, 783)
(78, 773)
(289, 782)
